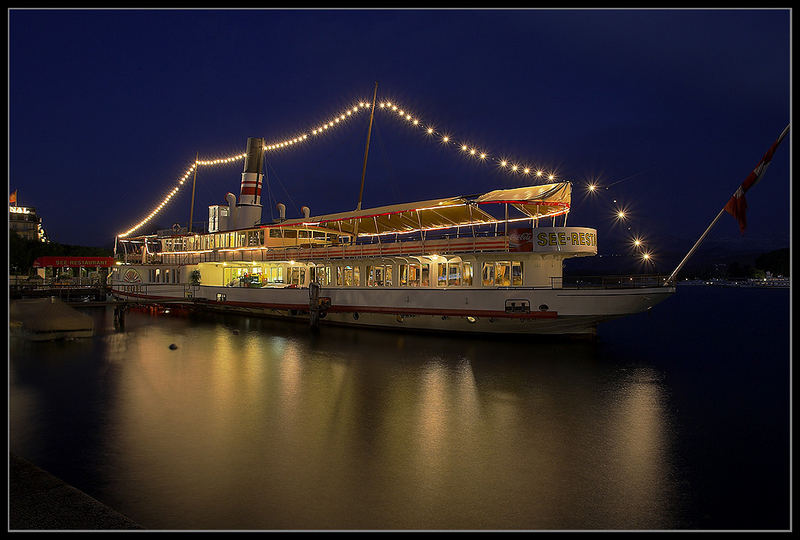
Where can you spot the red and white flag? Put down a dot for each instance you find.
(737, 205)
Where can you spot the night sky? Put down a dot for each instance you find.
(107, 109)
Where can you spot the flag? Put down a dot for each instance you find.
(13, 198)
(737, 205)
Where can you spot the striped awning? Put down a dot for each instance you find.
(535, 201)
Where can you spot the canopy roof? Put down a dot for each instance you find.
(535, 201)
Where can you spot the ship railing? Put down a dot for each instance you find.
(451, 244)
(37, 282)
(632, 281)
(156, 290)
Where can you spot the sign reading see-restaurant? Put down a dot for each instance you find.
(74, 262)
(564, 239)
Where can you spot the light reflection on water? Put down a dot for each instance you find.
(258, 424)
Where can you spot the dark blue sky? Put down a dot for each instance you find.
(108, 108)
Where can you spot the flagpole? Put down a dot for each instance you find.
(694, 248)
(754, 179)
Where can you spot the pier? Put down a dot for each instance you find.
(66, 293)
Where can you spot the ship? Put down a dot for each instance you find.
(489, 263)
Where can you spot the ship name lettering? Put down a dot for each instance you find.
(542, 241)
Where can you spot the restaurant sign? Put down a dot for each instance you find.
(553, 239)
(53, 261)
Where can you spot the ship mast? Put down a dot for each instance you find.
(366, 150)
(191, 210)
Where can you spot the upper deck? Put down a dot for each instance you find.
(561, 241)
(454, 225)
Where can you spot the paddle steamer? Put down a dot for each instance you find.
(489, 262)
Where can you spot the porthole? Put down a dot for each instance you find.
(471, 319)
(399, 318)
(543, 307)
(355, 315)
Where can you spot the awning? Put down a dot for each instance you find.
(535, 201)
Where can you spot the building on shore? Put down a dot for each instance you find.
(24, 221)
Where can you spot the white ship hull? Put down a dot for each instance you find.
(494, 311)
(447, 264)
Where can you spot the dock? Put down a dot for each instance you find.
(95, 291)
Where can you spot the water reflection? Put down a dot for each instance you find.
(255, 424)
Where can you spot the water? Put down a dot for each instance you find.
(677, 419)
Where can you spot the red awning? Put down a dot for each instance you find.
(74, 262)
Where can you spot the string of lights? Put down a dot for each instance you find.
(468, 150)
(320, 130)
(621, 214)
(163, 203)
(315, 132)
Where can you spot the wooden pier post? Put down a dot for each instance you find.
(313, 305)
(119, 316)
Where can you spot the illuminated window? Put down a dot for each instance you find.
(467, 276)
(322, 275)
(388, 276)
(441, 274)
(352, 277)
(297, 276)
(410, 275)
(376, 275)
(516, 273)
(488, 274)
(502, 273)
(454, 274)
(426, 271)
(274, 274)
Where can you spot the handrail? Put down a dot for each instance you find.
(629, 281)
(360, 250)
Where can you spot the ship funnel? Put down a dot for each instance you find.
(249, 208)
(306, 211)
(281, 211)
(253, 174)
